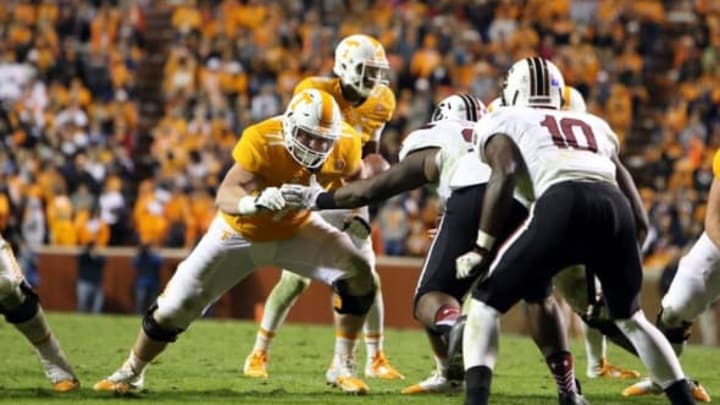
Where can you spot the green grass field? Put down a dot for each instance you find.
(204, 366)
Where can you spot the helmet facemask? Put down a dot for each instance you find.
(311, 125)
(369, 74)
(308, 147)
(361, 64)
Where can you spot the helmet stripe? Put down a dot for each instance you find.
(546, 75)
(467, 105)
(473, 111)
(540, 79)
(531, 69)
(326, 114)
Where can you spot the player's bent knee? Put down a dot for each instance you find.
(350, 303)
(674, 328)
(157, 332)
(294, 281)
(179, 312)
(27, 301)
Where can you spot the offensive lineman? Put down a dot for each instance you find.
(255, 228)
(586, 205)
(366, 103)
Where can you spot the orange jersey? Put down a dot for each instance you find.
(716, 164)
(261, 151)
(369, 117)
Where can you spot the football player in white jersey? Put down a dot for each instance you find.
(586, 211)
(440, 153)
(20, 305)
(573, 287)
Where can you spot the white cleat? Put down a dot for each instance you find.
(343, 374)
(436, 383)
(60, 373)
(123, 380)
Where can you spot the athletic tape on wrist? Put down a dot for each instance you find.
(485, 240)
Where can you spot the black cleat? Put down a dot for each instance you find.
(572, 398)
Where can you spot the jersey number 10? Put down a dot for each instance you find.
(563, 136)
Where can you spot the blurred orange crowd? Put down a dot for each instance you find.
(74, 139)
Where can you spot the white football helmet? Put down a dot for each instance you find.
(573, 100)
(311, 125)
(533, 82)
(360, 63)
(459, 106)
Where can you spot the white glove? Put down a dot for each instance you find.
(300, 196)
(356, 226)
(270, 199)
(469, 264)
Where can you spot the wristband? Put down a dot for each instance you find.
(246, 205)
(325, 201)
(484, 240)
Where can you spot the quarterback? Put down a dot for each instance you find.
(255, 228)
(366, 103)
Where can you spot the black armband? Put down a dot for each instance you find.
(326, 201)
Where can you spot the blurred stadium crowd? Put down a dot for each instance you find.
(73, 139)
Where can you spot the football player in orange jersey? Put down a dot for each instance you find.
(366, 102)
(19, 304)
(255, 228)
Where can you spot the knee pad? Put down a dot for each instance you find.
(675, 332)
(155, 331)
(346, 303)
(28, 306)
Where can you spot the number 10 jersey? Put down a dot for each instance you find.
(556, 145)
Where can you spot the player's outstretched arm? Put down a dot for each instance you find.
(417, 169)
(627, 185)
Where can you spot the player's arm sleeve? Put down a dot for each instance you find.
(374, 132)
(247, 153)
(627, 185)
(242, 179)
(712, 214)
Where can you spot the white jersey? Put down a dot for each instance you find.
(457, 167)
(556, 145)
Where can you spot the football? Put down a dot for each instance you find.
(374, 164)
